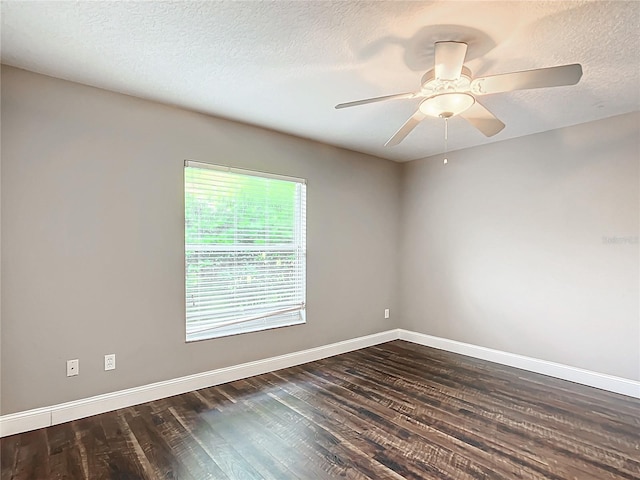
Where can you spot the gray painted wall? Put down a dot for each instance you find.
(92, 239)
(505, 246)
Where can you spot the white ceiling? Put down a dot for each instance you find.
(284, 65)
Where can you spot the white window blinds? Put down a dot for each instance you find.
(245, 250)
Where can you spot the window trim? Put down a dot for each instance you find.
(242, 171)
(204, 331)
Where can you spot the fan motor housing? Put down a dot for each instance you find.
(435, 86)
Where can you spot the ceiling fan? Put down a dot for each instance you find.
(449, 90)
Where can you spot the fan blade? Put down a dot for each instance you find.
(538, 78)
(375, 99)
(449, 60)
(405, 129)
(482, 119)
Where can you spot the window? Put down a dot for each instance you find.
(245, 249)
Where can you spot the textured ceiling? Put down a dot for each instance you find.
(284, 65)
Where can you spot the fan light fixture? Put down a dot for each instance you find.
(449, 89)
(447, 105)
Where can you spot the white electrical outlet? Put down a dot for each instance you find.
(386, 313)
(110, 361)
(73, 367)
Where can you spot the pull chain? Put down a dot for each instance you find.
(446, 138)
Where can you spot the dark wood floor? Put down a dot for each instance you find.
(393, 411)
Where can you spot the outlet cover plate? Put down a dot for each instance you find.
(73, 367)
(110, 361)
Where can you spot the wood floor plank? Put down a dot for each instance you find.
(9, 456)
(345, 433)
(297, 460)
(529, 407)
(562, 421)
(32, 459)
(179, 439)
(223, 453)
(163, 462)
(544, 388)
(122, 455)
(376, 446)
(519, 420)
(65, 458)
(290, 428)
(333, 455)
(425, 432)
(392, 411)
(556, 434)
(379, 423)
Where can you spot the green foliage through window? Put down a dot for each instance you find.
(244, 252)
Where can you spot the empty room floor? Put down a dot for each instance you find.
(392, 411)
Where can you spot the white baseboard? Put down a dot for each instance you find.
(64, 412)
(602, 381)
(25, 421)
